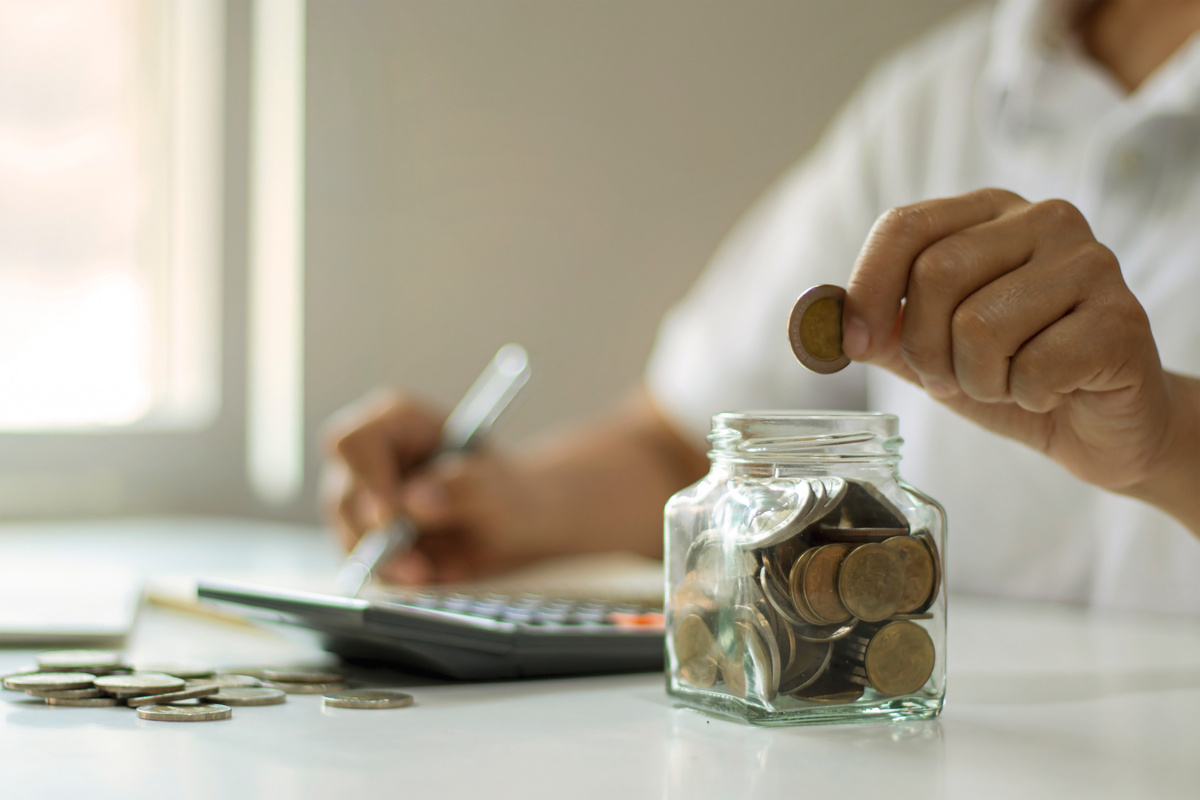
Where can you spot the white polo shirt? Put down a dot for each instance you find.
(999, 97)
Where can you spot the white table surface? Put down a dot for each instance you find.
(1044, 702)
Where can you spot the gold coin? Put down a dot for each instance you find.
(917, 565)
(926, 539)
(871, 582)
(692, 638)
(733, 672)
(699, 672)
(899, 659)
(815, 329)
(820, 586)
(796, 589)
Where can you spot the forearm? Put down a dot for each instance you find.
(603, 486)
(1175, 485)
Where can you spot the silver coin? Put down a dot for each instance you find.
(777, 511)
(302, 676)
(252, 671)
(78, 694)
(762, 648)
(50, 680)
(227, 682)
(166, 698)
(305, 688)
(198, 713)
(369, 698)
(139, 684)
(187, 672)
(63, 660)
(778, 598)
(82, 702)
(249, 697)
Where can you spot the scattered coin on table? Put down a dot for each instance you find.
(369, 698)
(139, 683)
(168, 695)
(228, 681)
(206, 712)
(166, 698)
(248, 696)
(50, 680)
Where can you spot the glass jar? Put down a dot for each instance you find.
(804, 576)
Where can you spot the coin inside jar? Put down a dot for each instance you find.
(871, 582)
(917, 566)
(699, 672)
(899, 658)
(815, 329)
(820, 583)
(693, 639)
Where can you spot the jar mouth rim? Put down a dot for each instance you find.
(770, 415)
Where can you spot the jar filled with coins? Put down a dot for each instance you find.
(804, 576)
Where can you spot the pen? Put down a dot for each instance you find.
(468, 424)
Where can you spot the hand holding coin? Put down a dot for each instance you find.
(1013, 315)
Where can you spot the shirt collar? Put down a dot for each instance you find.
(1037, 75)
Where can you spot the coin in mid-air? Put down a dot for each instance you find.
(205, 712)
(369, 698)
(248, 696)
(815, 329)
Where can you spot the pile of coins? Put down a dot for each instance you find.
(100, 678)
(813, 591)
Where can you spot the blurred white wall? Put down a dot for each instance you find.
(552, 173)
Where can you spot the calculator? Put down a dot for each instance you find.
(464, 636)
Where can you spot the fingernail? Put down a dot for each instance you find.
(426, 496)
(856, 339)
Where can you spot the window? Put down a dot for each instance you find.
(110, 190)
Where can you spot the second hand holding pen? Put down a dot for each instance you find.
(467, 425)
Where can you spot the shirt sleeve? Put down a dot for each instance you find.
(724, 347)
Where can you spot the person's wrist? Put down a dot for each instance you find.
(1173, 485)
